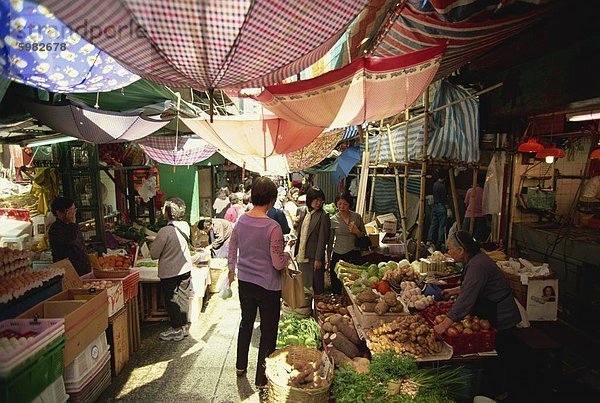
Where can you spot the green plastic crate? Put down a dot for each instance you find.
(27, 381)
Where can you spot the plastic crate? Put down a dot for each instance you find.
(30, 380)
(130, 283)
(469, 343)
(82, 383)
(94, 388)
(54, 393)
(18, 214)
(88, 361)
(46, 330)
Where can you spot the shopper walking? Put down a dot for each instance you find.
(437, 226)
(346, 227)
(474, 211)
(171, 248)
(313, 235)
(256, 249)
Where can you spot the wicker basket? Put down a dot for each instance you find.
(116, 273)
(277, 375)
(519, 289)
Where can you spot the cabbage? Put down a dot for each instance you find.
(382, 264)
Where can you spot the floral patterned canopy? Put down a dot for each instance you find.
(38, 50)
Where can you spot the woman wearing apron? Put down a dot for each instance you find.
(483, 292)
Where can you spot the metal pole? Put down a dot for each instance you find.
(423, 175)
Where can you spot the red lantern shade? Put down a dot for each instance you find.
(595, 154)
(531, 146)
(551, 152)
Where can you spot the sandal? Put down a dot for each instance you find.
(240, 372)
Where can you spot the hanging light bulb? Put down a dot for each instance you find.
(549, 159)
(550, 153)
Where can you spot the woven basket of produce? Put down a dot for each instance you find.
(299, 374)
(117, 273)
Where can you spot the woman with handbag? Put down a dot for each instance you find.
(256, 249)
(171, 248)
(346, 237)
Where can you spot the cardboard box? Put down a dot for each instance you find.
(385, 217)
(86, 317)
(118, 338)
(374, 240)
(390, 226)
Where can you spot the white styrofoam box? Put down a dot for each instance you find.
(54, 393)
(14, 228)
(84, 383)
(87, 361)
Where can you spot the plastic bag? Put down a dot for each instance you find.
(223, 286)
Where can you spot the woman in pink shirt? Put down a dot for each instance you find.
(256, 249)
(481, 229)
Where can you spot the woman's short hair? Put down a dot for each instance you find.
(264, 191)
(204, 222)
(175, 208)
(345, 195)
(61, 204)
(465, 240)
(234, 198)
(313, 193)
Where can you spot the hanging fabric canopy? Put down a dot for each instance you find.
(38, 50)
(211, 43)
(341, 167)
(295, 161)
(453, 134)
(367, 89)
(171, 150)
(413, 28)
(259, 136)
(92, 125)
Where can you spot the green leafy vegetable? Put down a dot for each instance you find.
(294, 332)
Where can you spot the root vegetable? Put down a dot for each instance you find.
(390, 298)
(368, 306)
(381, 307)
(327, 327)
(367, 296)
(348, 330)
(339, 358)
(342, 343)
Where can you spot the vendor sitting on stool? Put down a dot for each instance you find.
(219, 231)
(65, 237)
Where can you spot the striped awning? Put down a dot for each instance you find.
(93, 125)
(212, 43)
(453, 131)
(414, 28)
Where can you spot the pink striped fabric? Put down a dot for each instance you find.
(186, 150)
(210, 43)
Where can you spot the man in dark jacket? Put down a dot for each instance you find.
(65, 238)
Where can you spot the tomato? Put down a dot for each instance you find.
(383, 287)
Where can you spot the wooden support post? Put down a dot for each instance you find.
(472, 201)
(371, 197)
(423, 175)
(454, 198)
(398, 194)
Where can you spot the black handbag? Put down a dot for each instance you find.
(362, 242)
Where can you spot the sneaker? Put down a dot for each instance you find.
(172, 334)
(186, 330)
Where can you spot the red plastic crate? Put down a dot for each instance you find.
(469, 343)
(130, 283)
(436, 309)
(18, 214)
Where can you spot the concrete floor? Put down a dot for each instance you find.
(200, 368)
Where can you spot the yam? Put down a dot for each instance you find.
(339, 358)
(342, 343)
(327, 327)
(367, 296)
(381, 307)
(368, 306)
(343, 311)
(398, 308)
(348, 330)
(390, 298)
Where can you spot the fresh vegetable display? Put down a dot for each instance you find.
(392, 378)
(114, 262)
(340, 334)
(332, 303)
(470, 324)
(409, 335)
(146, 264)
(306, 370)
(359, 278)
(403, 271)
(371, 301)
(411, 295)
(298, 332)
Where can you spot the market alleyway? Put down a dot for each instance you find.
(201, 368)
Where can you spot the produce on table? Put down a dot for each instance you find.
(371, 301)
(114, 262)
(405, 335)
(437, 257)
(470, 324)
(436, 309)
(412, 296)
(393, 378)
(305, 369)
(308, 376)
(339, 332)
(100, 284)
(332, 303)
(147, 264)
(359, 278)
(404, 271)
(298, 332)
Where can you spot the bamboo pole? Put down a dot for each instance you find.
(472, 201)
(423, 175)
(371, 197)
(398, 194)
(405, 183)
(363, 178)
(454, 198)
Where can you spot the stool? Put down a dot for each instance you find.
(20, 241)
(544, 346)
